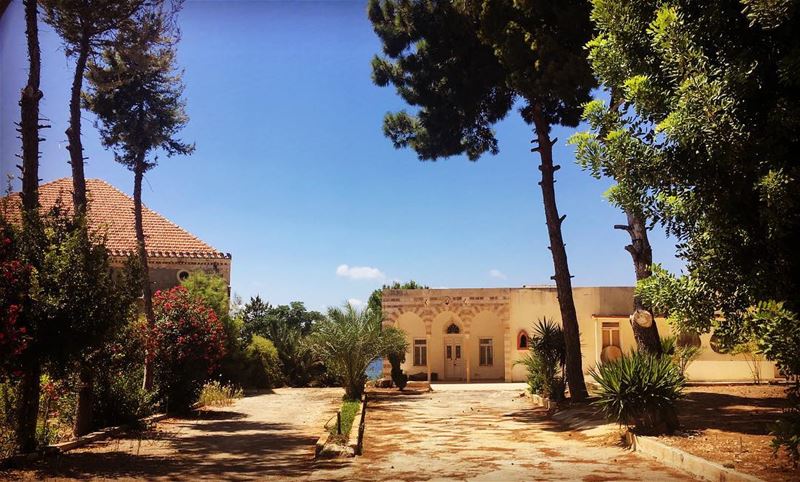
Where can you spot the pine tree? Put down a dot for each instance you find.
(136, 94)
(464, 65)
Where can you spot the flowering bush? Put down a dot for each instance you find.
(13, 280)
(185, 345)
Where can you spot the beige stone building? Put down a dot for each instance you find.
(172, 251)
(478, 334)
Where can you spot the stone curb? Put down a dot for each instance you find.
(677, 458)
(323, 449)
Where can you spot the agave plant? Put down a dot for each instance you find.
(348, 340)
(640, 390)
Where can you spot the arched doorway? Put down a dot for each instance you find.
(454, 353)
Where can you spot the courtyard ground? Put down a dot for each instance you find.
(730, 425)
(458, 432)
(483, 432)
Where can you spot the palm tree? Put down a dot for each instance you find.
(348, 340)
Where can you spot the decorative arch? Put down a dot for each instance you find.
(453, 328)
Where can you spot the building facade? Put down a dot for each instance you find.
(480, 334)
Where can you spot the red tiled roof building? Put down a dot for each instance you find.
(172, 251)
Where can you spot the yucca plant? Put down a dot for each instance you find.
(640, 390)
(545, 360)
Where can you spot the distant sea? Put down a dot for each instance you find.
(375, 368)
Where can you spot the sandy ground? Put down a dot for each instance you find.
(730, 425)
(450, 434)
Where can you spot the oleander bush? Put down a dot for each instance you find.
(640, 390)
(185, 345)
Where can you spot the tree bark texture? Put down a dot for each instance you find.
(29, 109)
(83, 411)
(147, 290)
(647, 338)
(569, 318)
(74, 131)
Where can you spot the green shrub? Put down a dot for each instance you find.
(545, 360)
(640, 390)
(215, 394)
(262, 364)
(681, 354)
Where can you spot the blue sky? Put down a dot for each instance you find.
(292, 174)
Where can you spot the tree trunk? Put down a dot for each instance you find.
(28, 404)
(83, 411)
(28, 401)
(147, 291)
(569, 318)
(74, 131)
(29, 109)
(647, 338)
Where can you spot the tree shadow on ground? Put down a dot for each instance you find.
(730, 413)
(224, 449)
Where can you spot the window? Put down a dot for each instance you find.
(486, 353)
(420, 353)
(453, 328)
(182, 275)
(522, 341)
(449, 352)
(611, 334)
(611, 349)
(458, 352)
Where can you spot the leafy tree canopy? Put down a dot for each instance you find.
(702, 133)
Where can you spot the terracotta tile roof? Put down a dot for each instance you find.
(111, 213)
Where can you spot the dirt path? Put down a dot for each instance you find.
(482, 435)
(265, 436)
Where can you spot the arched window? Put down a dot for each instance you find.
(522, 341)
(453, 329)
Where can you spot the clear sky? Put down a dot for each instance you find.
(293, 177)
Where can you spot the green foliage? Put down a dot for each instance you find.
(348, 340)
(186, 343)
(263, 368)
(376, 297)
(136, 91)
(682, 299)
(681, 354)
(640, 390)
(464, 64)
(700, 135)
(545, 360)
(286, 326)
(215, 394)
(212, 289)
(776, 331)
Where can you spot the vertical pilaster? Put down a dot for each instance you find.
(508, 351)
(469, 357)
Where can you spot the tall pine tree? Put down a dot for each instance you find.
(464, 65)
(136, 93)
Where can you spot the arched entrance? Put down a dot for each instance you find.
(454, 353)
